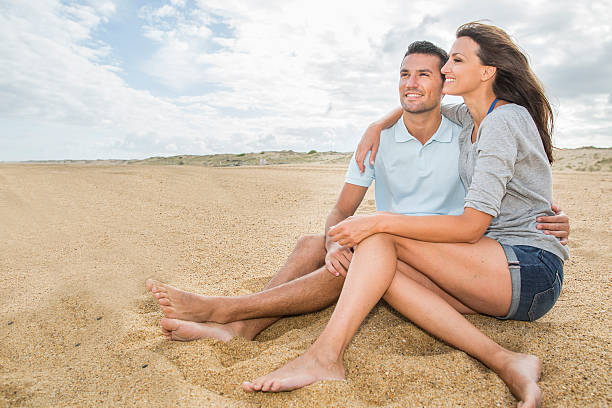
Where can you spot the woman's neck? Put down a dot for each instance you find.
(478, 103)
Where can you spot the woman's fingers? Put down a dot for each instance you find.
(373, 155)
(360, 155)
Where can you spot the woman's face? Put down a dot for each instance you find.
(463, 70)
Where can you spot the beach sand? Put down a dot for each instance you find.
(79, 329)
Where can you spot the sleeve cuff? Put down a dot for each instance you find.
(482, 207)
(358, 182)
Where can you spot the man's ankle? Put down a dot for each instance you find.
(243, 329)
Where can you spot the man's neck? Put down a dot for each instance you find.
(422, 126)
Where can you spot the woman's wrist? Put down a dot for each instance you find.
(380, 223)
(377, 125)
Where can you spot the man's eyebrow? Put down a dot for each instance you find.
(418, 70)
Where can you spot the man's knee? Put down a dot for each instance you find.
(311, 242)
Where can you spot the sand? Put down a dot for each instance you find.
(79, 328)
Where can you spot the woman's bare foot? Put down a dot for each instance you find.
(179, 304)
(521, 373)
(302, 371)
(182, 330)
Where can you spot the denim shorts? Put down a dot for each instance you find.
(537, 278)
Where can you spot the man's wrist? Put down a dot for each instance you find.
(328, 243)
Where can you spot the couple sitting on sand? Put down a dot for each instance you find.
(459, 190)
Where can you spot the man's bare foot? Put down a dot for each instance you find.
(179, 304)
(302, 371)
(183, 330)
(521, 374)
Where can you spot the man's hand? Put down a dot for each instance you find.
(556, 225)
(353, 230)
(338, 259)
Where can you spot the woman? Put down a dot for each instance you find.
(513, 271)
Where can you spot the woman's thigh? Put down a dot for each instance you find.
(475, 274)
(408, 272)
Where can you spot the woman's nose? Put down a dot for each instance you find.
(446, 68)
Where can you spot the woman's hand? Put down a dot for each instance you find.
(353, 230)
(371, 138)
(369, 142)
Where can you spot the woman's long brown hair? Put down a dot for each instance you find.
(514, 80)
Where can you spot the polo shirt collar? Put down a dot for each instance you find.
(442, 135)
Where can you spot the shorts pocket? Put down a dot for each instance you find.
(545, 300)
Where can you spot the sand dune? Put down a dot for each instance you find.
(79, 329)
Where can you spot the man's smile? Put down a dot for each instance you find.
(412, 95)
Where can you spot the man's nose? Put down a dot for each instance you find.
(412, 81)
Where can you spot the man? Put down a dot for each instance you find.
(416, 173)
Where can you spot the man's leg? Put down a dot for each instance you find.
(305, 291)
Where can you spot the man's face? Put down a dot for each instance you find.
(420, 84)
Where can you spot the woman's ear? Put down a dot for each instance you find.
(488, 73)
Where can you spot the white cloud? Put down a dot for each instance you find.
(282, 74)
(178, 3)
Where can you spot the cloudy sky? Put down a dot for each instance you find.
(133, 79)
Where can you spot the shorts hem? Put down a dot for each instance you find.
(515, 277)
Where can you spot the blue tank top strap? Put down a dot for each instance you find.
(493, 105)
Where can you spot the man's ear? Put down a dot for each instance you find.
(488, 72)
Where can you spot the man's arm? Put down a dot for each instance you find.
(338, 257)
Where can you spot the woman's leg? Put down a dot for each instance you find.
(477, 275)
(370, 274)
(431, 312)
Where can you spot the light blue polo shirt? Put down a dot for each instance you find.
(411, 178)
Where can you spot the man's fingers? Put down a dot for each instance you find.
(553, 226)
(349, 254)
(556, 209)
(339, 268)
(561, 219)
(331, 269)
(558, 234)
(344, 260)
(563, 241)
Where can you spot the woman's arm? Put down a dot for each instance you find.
(371, 138)
(468, 227)
(455, 112)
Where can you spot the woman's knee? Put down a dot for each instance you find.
(380, 238)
